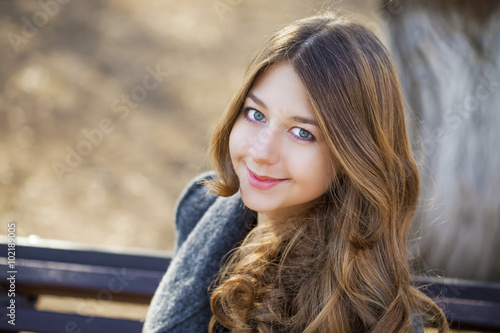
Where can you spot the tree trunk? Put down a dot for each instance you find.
(448, 58)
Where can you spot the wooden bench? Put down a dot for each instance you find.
(68, 269)
(62, 268)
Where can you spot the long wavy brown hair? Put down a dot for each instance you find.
(342, 265)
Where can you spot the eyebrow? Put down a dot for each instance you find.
(304, 120)
(298, 119)
(256, 99)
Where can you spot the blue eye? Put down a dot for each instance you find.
(254, 115)
(302, 134)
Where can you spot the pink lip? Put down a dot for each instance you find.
(262, 182)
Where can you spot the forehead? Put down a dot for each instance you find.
(281, 89)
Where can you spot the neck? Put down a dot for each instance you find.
(278, 216)
(282, 214)
(262, 219)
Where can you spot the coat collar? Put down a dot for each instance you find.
(198, 260)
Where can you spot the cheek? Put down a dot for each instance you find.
(232, 147)
(237, 141)
(312, 167)
(240, 139)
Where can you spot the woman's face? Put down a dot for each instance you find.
(276, 147)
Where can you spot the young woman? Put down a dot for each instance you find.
(311, 201)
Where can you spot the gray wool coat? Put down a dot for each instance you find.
(208, 227)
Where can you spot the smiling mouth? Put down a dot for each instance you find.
(263, 182)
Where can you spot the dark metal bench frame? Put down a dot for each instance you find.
(132, 275)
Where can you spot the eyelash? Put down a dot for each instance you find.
(246, 111)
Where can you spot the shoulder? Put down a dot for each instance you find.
(192, 204)
(416, 321)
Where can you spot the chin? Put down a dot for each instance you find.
(257, 203)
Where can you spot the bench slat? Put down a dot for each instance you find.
(53, 322)
(456, 288)
(73, 253)
(470, 314)
(121, 284)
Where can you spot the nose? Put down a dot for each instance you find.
(266, 147)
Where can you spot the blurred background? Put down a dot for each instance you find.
(68, 67)
(106, 109)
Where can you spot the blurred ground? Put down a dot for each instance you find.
(79, 162)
